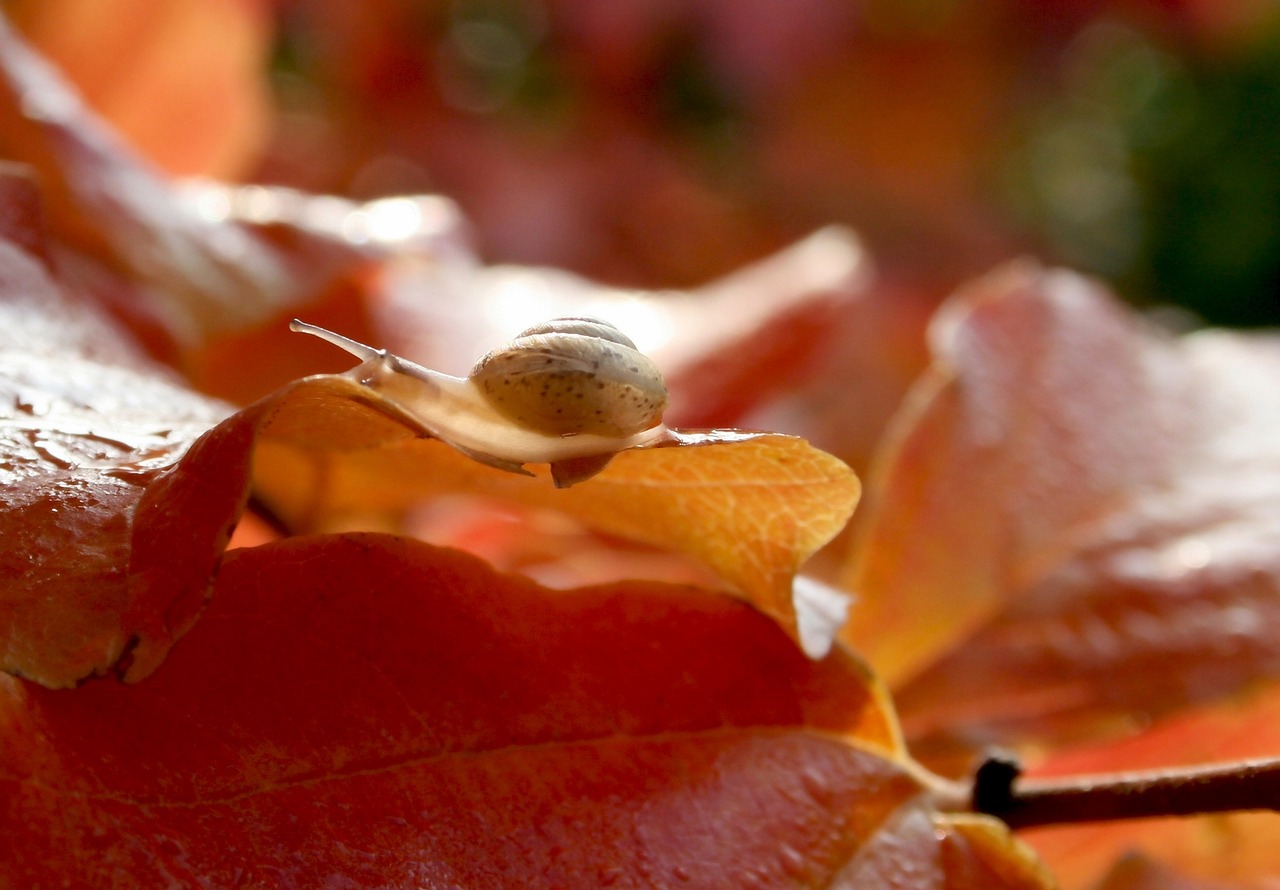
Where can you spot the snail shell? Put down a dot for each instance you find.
(571, 376)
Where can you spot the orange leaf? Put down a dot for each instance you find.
(200, 274)
(1077, 517)
(726, 348)
(750, 507)
(200, 270)
(146, 67)
(1236, 847)
(150, 522)
(371, 710)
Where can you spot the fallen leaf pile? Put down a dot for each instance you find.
(232, 658)
(369, 669)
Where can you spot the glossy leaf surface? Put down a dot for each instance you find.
(1079, 517)
(105, 534)
(192, 275)
(105, 491)
(397, 715)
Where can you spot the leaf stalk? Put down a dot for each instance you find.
(998, 789)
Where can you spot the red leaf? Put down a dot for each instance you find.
(105, 538)
(1078, 519)
(727, 348)
(197, 269)
(193, 275)
(1236, 847)
(116, 531)
(145, 67)
(374, 711)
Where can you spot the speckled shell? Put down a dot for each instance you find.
(573, 375)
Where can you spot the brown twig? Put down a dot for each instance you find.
(999, 790)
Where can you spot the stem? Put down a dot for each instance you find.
(999, 791)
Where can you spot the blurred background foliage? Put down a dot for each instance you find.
(662, 143)
(1159, 167)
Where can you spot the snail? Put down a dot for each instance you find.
(570, 392)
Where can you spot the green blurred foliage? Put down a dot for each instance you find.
(1160, 169)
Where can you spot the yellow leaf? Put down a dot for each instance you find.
(751, 507)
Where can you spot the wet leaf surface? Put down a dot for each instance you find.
(1074, 533)
(103, 534)
(100, 490)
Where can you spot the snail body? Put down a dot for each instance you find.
(570, 392)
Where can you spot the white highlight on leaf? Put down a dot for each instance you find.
(821, 611)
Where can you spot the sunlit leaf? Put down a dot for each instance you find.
(1078, 517)
(732, 346)
(144, 67)
(1237, 848)
(103, 488)
(1074, 525)
(195, 275)
(751, 507)
(215, 269)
